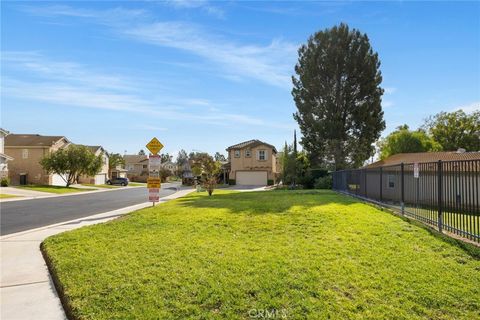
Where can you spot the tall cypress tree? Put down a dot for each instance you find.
(295, 153)
(338, 96)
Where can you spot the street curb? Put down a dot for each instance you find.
(56, 195)
(114, 212)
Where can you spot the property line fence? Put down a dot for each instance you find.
(443, 194)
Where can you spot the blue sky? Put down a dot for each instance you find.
(205, 75)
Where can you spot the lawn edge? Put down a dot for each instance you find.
(471, 249)
(64, 300)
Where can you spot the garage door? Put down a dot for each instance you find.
(252, 178)
(100, 178)
(57, 180)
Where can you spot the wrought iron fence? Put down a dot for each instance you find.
(443, 194)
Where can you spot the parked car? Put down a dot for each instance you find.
(120, 181)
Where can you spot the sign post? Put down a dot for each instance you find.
(154, 162)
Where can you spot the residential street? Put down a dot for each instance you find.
(19, 216)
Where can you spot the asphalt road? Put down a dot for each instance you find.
(16, 216)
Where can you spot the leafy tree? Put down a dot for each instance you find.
(219, 157)
(115, 160)
(338, 96)
(295, 166)
(405, 141)
(204, 165)
(455, 130)
(141, 152)
(164, 174)
(72, 162)
(182, 160)
(165, 157)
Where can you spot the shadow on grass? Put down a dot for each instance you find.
(280, 201)
(261, 202)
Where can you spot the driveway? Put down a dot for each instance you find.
(247, 188)
(23, 192)
(19, 216)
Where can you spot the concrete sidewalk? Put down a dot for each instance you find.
(26, 288)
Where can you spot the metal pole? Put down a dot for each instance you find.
(403, 187)
(365, 188)
(381, 186)
(440, 197)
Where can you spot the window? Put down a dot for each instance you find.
(145, 166)
(262, 155)
(237, 153)
(25, 154)
(248, 153)
(391, 181)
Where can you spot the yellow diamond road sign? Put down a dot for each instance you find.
(154, 146)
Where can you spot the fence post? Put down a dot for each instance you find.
(365, 187)
(381, 186)
(440, 195)
(402, 168)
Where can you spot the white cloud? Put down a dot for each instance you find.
(474, 106)
(272, 63)
(68, 84)
(390, 90)
(35, 63)
(197, 4)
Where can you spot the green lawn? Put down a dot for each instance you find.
(53, 189)
(106, 186)
(6, 196)
(298, 254)
(137, 184)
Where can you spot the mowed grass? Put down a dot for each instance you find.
(295, 254)
(137, 184)
(7, 196)
(105, 186)
(54, 189)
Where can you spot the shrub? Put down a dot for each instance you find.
(324, 182)
(231, 182)
(4, 182)
(270, 182)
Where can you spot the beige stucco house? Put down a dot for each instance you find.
(170, 166)
(27, 150)
(253, 162)
(137, 167)
(3, 157)
(102, 176)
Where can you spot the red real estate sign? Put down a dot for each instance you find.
(153, 194)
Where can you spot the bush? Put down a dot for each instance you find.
(270, 182)
(4, 182)
(231, 182)
(324, 182)
(307, 180)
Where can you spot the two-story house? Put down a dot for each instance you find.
(27, 150)
(3, 157)
(253, 162)
(102, 176)
(137, 167)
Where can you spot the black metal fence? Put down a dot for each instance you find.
(443, 194)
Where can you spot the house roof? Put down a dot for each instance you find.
(250, 143)
(5, 132)
(94, 149)
(422, 157)
(4, 156)
(134, 158)
(31, 140)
